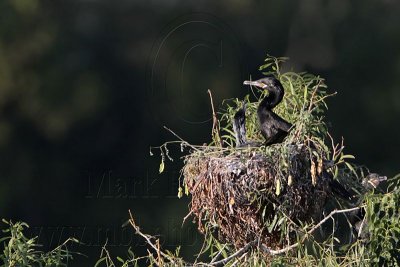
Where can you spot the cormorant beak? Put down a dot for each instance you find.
(255, 83)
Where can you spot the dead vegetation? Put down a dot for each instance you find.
(246, 196)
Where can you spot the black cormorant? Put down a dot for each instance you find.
(372, 181)
(239, 126)
(272, 127)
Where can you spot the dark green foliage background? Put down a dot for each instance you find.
(86, 86)
(383, 215)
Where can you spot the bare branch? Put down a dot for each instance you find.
(218, 254)
(215, 128)
(238, 253)
(177, 136)
(187, 216)
(286, 249)
(148, 238)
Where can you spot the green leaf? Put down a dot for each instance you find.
(273, 223)
(100, 261)
(348, 157)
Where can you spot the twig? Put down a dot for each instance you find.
(158, 252)
(156, 246)
(201, 251)
(65, 243)
(361, 227)
(215, 128)
(187, 216)
(312, 97)
(108, 259)
(323, 97)
(177, 136)
(333, 145)
(238, 260)
(286, 249)
(218, 254)
(238, 253)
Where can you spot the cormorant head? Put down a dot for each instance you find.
(274, 88)
(264, 83)
(372, 181)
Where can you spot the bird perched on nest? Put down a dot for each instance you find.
(273, 128)
(357, 218)
(239, 127)
(372, 180)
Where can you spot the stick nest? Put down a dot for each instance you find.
(248, 195)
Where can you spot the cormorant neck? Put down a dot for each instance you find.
(274, 97)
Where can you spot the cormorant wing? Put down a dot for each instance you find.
(276, 135)
(278, 129)
(239, 126)
(280, 123)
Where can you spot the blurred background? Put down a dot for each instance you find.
(86, 87)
